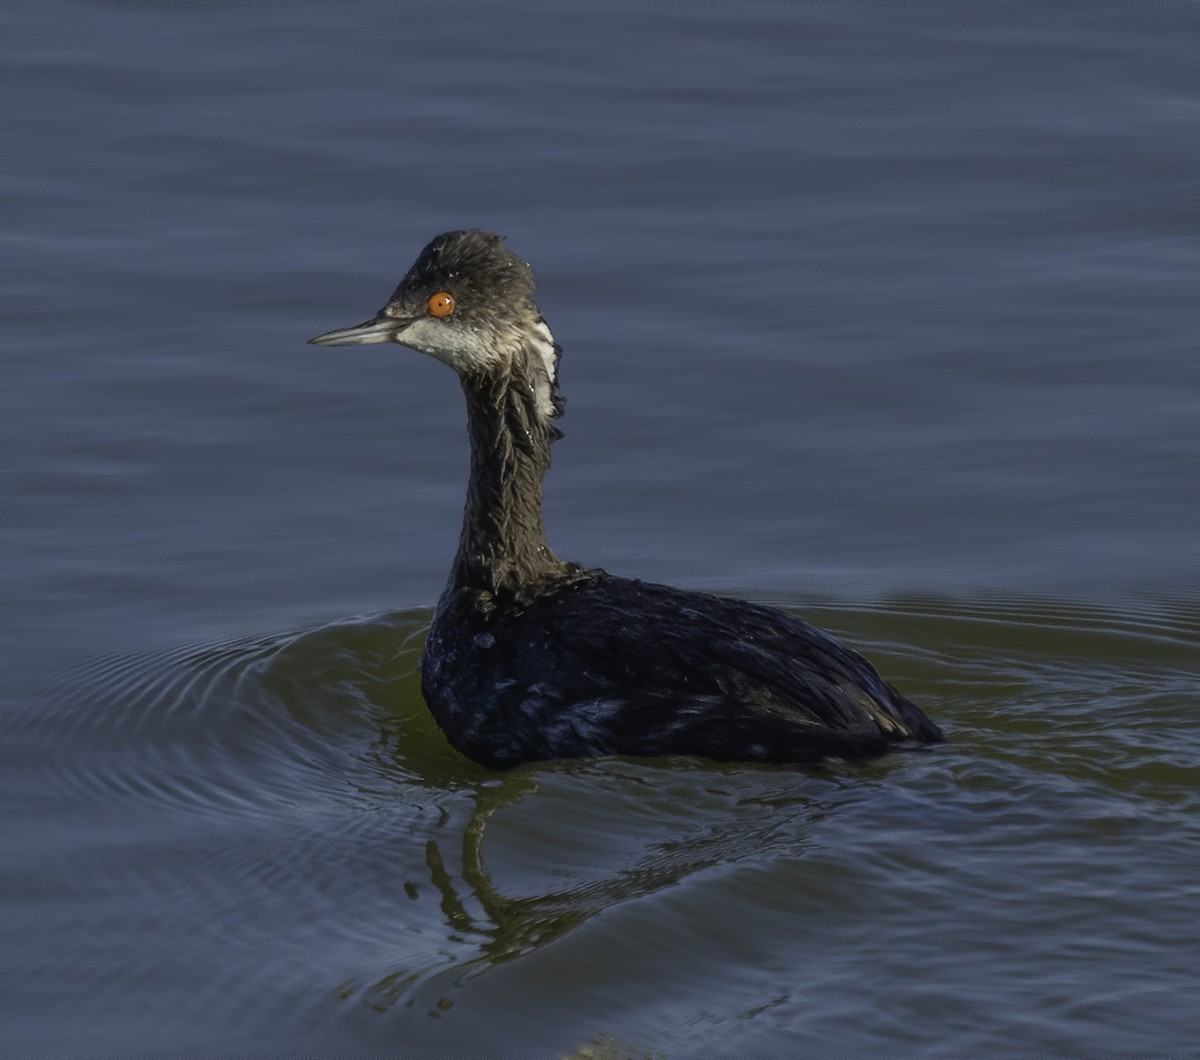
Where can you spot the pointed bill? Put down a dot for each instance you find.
(377, 329)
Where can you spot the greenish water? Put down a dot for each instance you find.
(273, 836)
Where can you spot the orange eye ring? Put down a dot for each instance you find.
(440, 304)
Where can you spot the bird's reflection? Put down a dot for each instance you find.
(640, 826)
(488, 928)
(506, 927)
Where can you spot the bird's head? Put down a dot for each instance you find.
(467, 301)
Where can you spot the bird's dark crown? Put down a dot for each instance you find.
(472, 265)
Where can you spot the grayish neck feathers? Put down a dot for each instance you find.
(510, 419)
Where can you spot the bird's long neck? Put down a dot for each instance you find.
(503, 546)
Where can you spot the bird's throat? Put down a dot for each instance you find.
(503, 545)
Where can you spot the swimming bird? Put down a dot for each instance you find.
(532, 658)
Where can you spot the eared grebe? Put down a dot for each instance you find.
(532, 658)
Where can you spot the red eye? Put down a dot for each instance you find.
(440, 305)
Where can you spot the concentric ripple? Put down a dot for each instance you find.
(267, 844)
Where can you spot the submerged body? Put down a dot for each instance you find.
(531, 658)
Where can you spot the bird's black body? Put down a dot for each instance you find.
(531, 658)
(604, 665)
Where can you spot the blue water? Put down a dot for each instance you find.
(880, 312)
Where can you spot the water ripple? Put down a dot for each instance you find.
(284, 812)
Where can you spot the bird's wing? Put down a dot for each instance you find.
(697, 670)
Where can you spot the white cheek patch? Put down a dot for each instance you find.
(459, 348)
(466, 350)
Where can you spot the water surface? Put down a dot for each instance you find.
(882, 313)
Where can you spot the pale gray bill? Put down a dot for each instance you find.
(377, 329)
